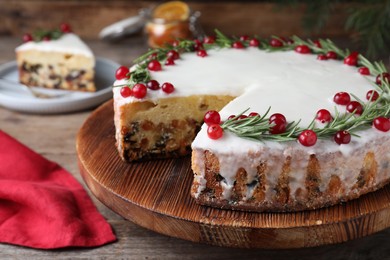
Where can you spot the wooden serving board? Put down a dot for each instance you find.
(156, 195)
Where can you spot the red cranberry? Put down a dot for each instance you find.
(279, 123)
(198, 45)
(382, 123)
(342, 98)
(354, 54)
(27, 37)
(242, 117)
(126, 92)
(364, 71)
(385, 76)
(289, 41)
(65, 28)
(322, 57)
(303, 49)
(317, 43)
(351, 59)
(169, 62)
(276, 43)
(238, 45)
(154, 65)
(139, 90)
(244, 38)
(215, 131)
(324, 116)
(278, 116)
(254, 42)
(356, 107)
(279, 126)
(122, 73)
(209, 40)
(372, 95)
(307, 138)
(202, 53)
(231, 117)
(212, 117)
(153, 84)
(331, 55)
(342, 137)
(253, 114)
(167, 87)
(174, 55)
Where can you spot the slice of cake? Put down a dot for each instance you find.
(288, 126)
(56, 59)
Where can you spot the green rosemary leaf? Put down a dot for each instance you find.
(357, 98)
(143, 57)
(222, 40)
(40, 34)
(55, 34)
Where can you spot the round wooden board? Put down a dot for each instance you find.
(156, 195)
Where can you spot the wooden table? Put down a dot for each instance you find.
(54, 137)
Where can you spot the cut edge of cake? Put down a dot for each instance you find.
(161, 129)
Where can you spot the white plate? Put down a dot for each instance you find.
(74, 101)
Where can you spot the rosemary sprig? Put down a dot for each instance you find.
(141, 73)
(258, 128)
(39, 35)
(222, 40)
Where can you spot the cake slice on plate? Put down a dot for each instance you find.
(56, 59)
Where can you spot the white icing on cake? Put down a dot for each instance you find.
(67, 43)
(296, 85)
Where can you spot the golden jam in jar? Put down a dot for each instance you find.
(168, 22)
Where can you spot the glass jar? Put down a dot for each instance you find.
(171, 21)
(161, 32)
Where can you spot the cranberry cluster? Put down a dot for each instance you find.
(212, 119)
(245, 40)
(64, 28)
(351, 60)
(198, 45)
(277, 122)
(344, 99)
(139, 90)
(155, 65)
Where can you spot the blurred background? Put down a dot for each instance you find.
(361, 24)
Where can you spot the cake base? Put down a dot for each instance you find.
(156, 195)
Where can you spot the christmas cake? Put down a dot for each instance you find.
(56, 59)
(288, 124)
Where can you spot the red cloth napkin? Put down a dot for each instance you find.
(42, 205)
